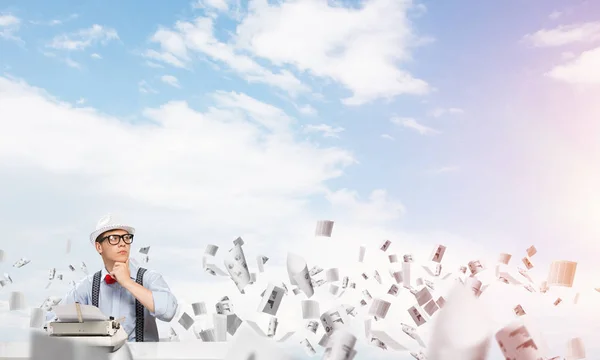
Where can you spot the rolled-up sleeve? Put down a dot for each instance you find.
(165, 303)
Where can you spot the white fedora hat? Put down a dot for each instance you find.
(107, 223)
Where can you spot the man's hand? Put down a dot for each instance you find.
(120, 272)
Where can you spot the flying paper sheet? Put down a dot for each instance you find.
(475, 267)
(261, 261)
(224, 306)
(36, 318)
(21, 262)
(431, 307)
(562, 273)
(361, 253)
(385, 245)
(272, 329)
(324, 228)
(199, 308)
(379, 308)
(271, 300)
(340, 346)
(334, 319)
(298, 273)
(519, 310)
(16, 301)
(518, 341)
(575, 349)
(332, 274)
(310, 309)
(416, 315)
(504, 258)
(528, 264)
(310, 350)
(186, 321)
(461, 329)
(438, 253)
(220, 327)
(312, 326)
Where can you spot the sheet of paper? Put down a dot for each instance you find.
(271, 300)
(324, 228)
(438, 253)
(199, 308)
(519, 340)
(186, 321)
(332, 275)
(562, 273)
(310, 309)
(379, 308)
(68, 313)
(298, 272)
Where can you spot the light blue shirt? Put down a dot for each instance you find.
(116, 301)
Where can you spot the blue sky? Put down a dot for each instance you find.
(491, 147)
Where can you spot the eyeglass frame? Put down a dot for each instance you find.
(121, 237)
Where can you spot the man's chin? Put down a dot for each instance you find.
(121, 257)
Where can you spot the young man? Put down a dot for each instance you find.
(122, 289)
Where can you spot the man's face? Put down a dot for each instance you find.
(118, 252)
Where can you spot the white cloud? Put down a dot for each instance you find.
(438, 112)
(170, 80)
(198, 37)
(54, 22)
(154, 65)
(411, 123)
(387, 137)
(307, 110)
(565, 35)
(9, 25)
(96, 56)
(221, 5)
(259, 145)
(84, 38)
(326, 130)
(72, 63)
(145, 88)
(358, 47)
(584, 69)
(81, 101)
(9, 20)
(555, 15)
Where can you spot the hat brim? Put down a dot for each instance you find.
(98, 232)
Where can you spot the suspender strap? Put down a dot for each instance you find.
(139, 310)
(96, 288)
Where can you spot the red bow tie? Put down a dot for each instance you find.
(109, 279)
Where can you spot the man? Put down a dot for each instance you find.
(122, 288)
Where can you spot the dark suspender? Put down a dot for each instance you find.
(139, 308)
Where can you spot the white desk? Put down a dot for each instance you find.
(192, 350)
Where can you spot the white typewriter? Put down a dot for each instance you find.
(86, 323)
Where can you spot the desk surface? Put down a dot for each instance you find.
(188, 350)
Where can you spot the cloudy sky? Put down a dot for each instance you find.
(469, 123)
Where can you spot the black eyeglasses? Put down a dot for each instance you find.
(115, 239)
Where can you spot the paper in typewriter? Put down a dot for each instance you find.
(68, 313)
